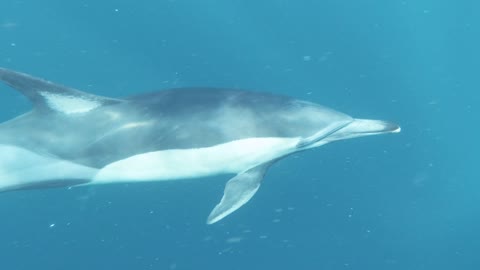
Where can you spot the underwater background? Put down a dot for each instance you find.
(403, 201)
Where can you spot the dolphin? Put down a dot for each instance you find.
(72, 138)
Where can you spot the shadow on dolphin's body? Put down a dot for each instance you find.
(75, 138)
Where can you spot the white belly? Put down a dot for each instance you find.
(231, 157)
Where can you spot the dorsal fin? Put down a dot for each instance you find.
(49, 96)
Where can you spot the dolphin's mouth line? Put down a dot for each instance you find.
(364, 127)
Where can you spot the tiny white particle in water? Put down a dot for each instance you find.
(232, 240)
(51, 225)
(13, 44)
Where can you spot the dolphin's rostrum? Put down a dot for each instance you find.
(74, 138)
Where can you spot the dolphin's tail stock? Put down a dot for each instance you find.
(23, 169)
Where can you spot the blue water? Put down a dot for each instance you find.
(403, 201)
